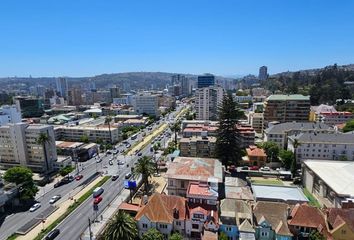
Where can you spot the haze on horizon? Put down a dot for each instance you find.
(80, 38)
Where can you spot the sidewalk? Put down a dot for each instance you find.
(62, 207)
(102, 220)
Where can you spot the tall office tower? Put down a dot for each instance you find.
(146, 104)
(286, 108)
(114, 93)
(126, 86)
(75, 97)
(62, 87)
(207, 101)
(29, 106)
(177, 79)
(263, 73)
(18, 147)
(9, 114)
(186, 87)
(206, 80)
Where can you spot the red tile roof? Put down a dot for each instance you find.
(306, 216)
(255, 151)
(129, 207)
(161, 207)
(201, 189)
(338, 216)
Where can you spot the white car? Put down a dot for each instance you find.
(35, 207)
(267, 169)
(99, 160)
(54, 199)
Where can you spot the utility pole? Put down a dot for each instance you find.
(90, 228)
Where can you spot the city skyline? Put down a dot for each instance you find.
(224, 38)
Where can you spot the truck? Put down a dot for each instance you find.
(97, 192)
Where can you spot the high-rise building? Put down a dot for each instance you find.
(146, 104)
(29, 106)
(186, 87)
(263, 73)
(75, 97)
(206, 80)
(115, 92)
(19, 147)
(62, 87)
(9, 114)
(207, 101)
(177, 79)
(286, 108)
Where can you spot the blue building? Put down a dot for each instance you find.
(206, 80)
(236, 219)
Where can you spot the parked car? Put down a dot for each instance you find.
(128, 176)
(254, 168)
(53, 234)
(98, 160)
(115, 177)
(265, 169)
(58, 184)
(244, 168)
(97, 200)
(139, 154)
(297, 180)
(54, 199)
(67, 179)
(110, 162)
(78, 177)
(120, 162)
(35, 207)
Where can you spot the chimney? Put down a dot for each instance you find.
(175, 213)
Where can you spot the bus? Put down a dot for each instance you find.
(134, 137)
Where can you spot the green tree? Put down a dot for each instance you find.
(315, 235)
(121, 226)
(223, 236)
(66, 170)
(145, 167)
(152, 234)
(84, 139)
(43, 139)
(108, 121)
(22, 177)
(227, 146)
(293, 169)
(176, 236)
(349, 126)
(271, 149)
(286, 157)
(176, 127)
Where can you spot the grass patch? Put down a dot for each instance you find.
(13, 236)
(312, 200)
(276, 182)
(71, 208)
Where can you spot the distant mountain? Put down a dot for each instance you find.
(137, 80)
(311, 72)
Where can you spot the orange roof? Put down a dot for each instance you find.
(199, 189)
(129, 207)
(306, 216)
(255, 151)
(338, 216)
(161, 207)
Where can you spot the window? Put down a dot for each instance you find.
(163, 226)
(178, 223)
(264, 233)
(171, 183)
(195, 226)
(343, 231)
(145, 225)
(228, 229)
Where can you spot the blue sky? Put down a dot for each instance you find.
(85, 38)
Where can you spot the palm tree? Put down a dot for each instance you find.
(175, 128)
(145, 167)
(108, 121)
(43, 139)
(296, 144)
(121, 226)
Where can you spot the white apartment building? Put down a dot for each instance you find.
(207, 101)
(279, 133)
(9, 114)
(256, 121)
(94, 133)
(146, 103)
(323, 146)
(19, 147)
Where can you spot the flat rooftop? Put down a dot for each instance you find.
(292, 97)
(338, 175)
(275, 193)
